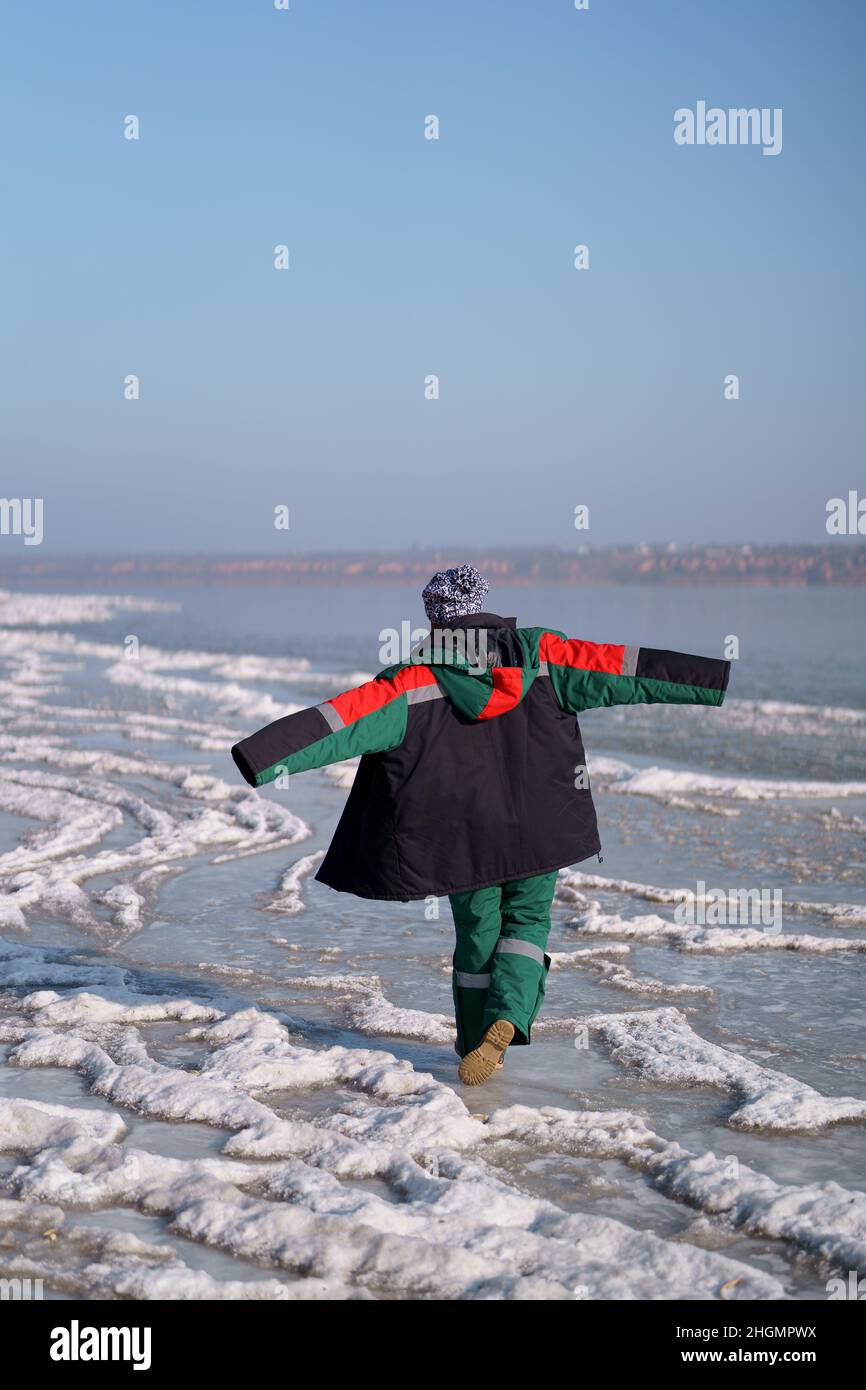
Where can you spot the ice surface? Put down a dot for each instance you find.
(825, 1220)
(457, 1231)
(288, 899)
(663, 782)
(279, 1116)
(661, 1044)
(571, 882)
(650, 927)
(51, 866)
(22, 610)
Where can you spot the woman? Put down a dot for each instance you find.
(472, 783)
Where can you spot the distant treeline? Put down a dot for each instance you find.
(837, 562)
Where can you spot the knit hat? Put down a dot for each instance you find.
(454, 593)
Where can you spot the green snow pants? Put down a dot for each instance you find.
(500, 966)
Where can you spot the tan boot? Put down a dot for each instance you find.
(479, 1065)
(500, 1063)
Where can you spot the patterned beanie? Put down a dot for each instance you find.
(454, 593)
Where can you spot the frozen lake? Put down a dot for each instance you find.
(222, 1079)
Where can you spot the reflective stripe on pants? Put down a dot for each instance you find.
(500, 964)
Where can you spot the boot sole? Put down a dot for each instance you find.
(500, 1063)
(479, 1065)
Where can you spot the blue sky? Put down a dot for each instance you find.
(411, 257)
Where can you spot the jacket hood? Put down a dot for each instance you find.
(483, 663)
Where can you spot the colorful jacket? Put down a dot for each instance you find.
(472, 766)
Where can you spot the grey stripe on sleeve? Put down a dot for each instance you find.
(331, 717)
(422, 693)
(629, 661)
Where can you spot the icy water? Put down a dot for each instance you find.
(221, 1079)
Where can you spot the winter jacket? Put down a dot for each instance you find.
(472, 766)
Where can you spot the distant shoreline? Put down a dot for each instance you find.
(839, 563)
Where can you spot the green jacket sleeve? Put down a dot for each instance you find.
(371, 718)
(589, 675)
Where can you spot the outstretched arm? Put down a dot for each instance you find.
(371, 718)
(588, 675)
